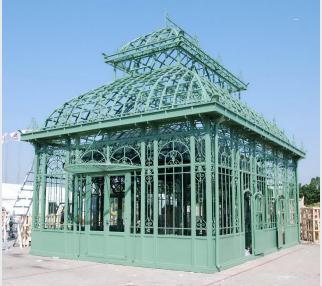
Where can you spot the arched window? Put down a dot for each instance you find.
(125, 155)
(225, 181)
(93, 156)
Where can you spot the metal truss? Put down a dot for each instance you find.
(170, 77)
(170, 46)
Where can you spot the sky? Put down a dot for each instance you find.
(52, 52)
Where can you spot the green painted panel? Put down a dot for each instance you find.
(135, 248)
(174, 250)
(231, 247)
(265, 240)
(291, 235)
(116, 247)
(173, 253)
(148, 249)
(96, 245)
(200, 252)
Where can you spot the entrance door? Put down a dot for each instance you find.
(102, 205)
(119, 215)
(248, 223)
(280, 209)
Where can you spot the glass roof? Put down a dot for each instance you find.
(162, 89)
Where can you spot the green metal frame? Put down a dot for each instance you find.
(190, 150)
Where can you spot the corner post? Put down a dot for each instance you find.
(35, 203)
(208, 193)
(68, 189)
(106, 214)
(193, 196)
(216, 192)
(155, 195)
(87, 204)
(43, 190)
(233, 183)
(142, 188)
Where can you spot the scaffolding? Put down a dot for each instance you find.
(310, 224)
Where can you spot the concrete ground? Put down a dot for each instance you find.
(299, 265)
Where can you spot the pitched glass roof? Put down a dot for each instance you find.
(178, 78)
(162, 89)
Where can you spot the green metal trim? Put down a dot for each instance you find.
(85, 168)
(206, 108)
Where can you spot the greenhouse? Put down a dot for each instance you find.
(165, 167)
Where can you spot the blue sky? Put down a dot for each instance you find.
(52, 51)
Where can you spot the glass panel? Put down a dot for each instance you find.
(225, 201)
(117, 196)
(55, 202)
(81, 191)
(174, 201)
(97, 203)
(70, 203)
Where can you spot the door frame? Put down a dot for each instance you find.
(82, 236)
(127, 201)
(280, 224)
(244, 192)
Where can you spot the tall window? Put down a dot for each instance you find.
(55, 193)
(259, 212)
(174, 209)
(225, 183)
(245, 172)
(70, 207)
(201, 218)
(97, 203)
(261, 188)
(79, 204)
(270, 187)
(291, 192)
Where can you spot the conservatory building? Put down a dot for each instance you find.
(164, 167)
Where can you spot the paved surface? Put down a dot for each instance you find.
(299, 265)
